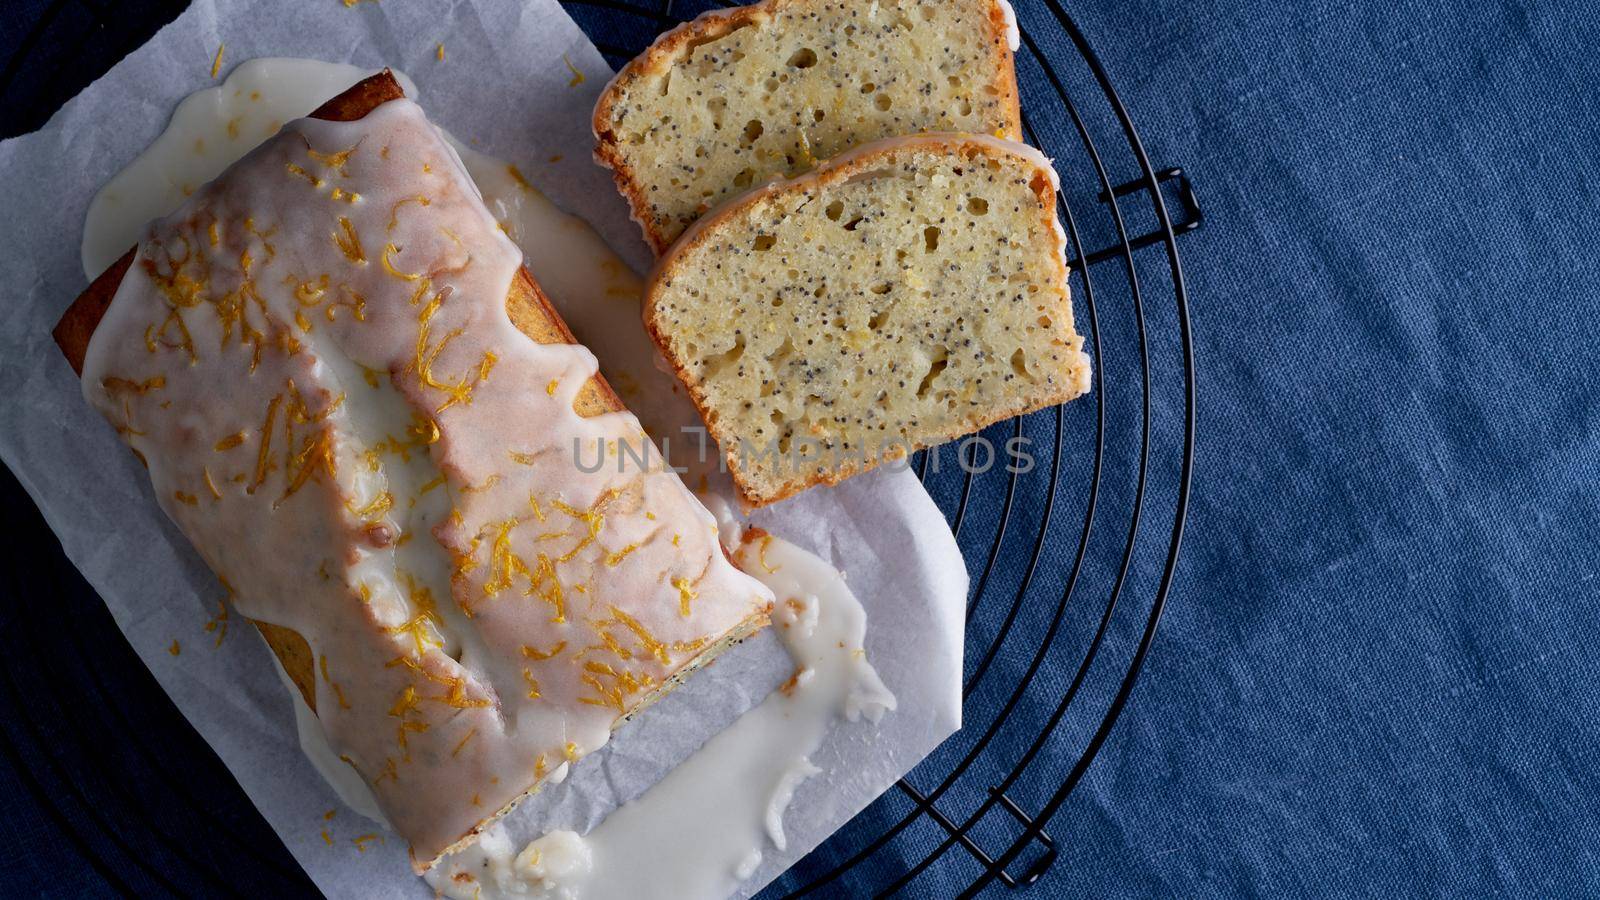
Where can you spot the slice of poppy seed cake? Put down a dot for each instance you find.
(901, 295)
(739, 96)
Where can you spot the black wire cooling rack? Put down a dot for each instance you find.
(1071, 560)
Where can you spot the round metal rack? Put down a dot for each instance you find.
(1071, 554)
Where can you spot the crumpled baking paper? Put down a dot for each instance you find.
(505, 86)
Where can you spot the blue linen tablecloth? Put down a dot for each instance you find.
(1377, 674)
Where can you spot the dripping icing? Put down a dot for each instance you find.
(735, 788)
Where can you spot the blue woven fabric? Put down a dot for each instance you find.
(1377, 672)
(1378, 675)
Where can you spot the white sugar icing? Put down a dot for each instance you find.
(314, 358)
(735, 789)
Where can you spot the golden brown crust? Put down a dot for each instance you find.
(530, 310)
(526, 304)
(1004, 61)
(361, 98)
(707, 27)
(77, 324)
(294, 654)
(710, 27)
(839, 169)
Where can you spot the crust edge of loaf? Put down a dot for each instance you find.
(717, 23)
(837, 169)
(730, 639)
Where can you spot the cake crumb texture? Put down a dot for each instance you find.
(904, 297)
(734, 99)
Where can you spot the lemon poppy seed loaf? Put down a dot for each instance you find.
(365, 416)
(735, 98)
(904, 294)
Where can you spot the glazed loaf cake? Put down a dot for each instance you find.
(362, 412)
(904, 294)
(737, 97)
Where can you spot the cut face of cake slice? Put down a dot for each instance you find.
(902, 295)
(736, 97)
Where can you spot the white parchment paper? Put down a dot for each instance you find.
(505, 87)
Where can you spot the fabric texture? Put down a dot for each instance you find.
(1376, 674)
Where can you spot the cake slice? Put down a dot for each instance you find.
(904, 294)
(736, 97)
